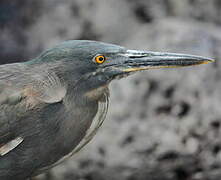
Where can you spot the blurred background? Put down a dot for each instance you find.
(162, 124)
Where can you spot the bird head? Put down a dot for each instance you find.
(95, 64)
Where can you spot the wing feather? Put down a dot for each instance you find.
(6, 148)
(23, 89)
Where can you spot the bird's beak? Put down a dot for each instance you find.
(144, 60)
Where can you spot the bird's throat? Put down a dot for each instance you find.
(96, 94)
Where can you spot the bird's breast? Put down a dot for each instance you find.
(79, 124)
(85, 122)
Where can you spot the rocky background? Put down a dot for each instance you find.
(162, 124)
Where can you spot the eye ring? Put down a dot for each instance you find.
(99, 59)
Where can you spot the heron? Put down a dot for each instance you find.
(53, 105)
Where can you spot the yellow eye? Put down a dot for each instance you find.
(100, 59)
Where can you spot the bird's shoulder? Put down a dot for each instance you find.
(24, 90)
(30, 84)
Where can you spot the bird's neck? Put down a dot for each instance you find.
(78, 93)
(78, 83)
(84, 86)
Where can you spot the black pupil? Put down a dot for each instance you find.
(101, 58)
